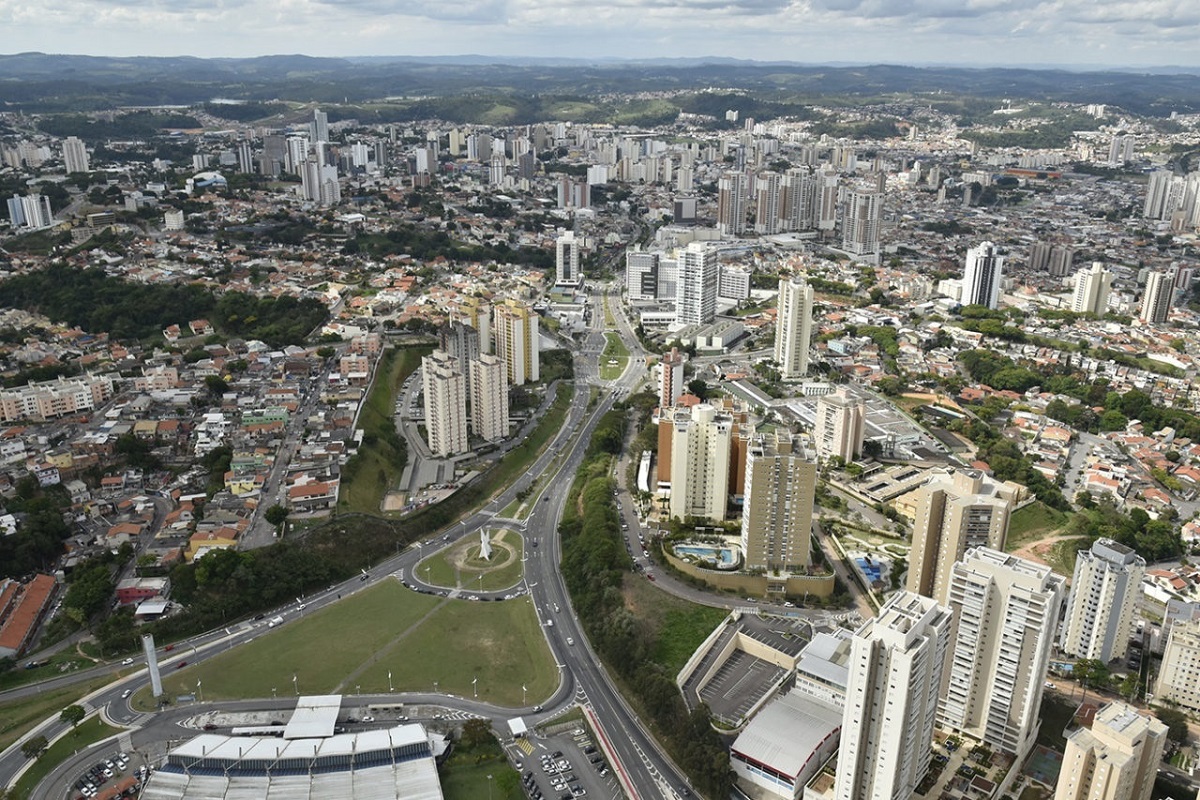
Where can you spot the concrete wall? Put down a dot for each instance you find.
(754, 585)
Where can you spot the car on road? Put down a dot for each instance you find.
(126, 693)
(208, 726)
(127, 661)
(181, 665)
(570, 641)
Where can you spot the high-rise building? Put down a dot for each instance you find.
(489, 397)
(767, 194)
(477, 313)
(460, 341)
(319, 183)
(319, 127)
(793, 326)
(30, 211)
(829, 197)
(516, 332)
(641, 275)
(1156, 299)
(981, 276)
(566, 260)
(955, 511)
(799, 204)
(896, 663)
(1117, 759)
(1180, 665)
(75, 155)
(700, 451)
(860, 222)
(1006, 613)
(838, 430)
(245, 157)
(1055, 259)
(696, 287)
(445, 388)
(1091, 290)
(670, 378)
(732, 189)
(1104, 592)
(777, 514)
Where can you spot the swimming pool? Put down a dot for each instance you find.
(724, 557)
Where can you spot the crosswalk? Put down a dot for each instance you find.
(525, 746)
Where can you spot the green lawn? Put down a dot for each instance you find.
(680, 626)
(441, 570)
(355, 644)
(87, 733)
(377, 466)
(465, 775)
(614, 359)
(19, 716)
(66, 661)
(500, 643)
(1035, 521)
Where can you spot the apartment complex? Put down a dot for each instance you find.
(1179, 674)
(516, 332)
(445, 404)
(57, 398)
(793, 327)
(1117, 759)
(777, 515)
(838, 430)
(1104, 593)
(489, 397)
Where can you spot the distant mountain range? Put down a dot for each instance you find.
(47, 83)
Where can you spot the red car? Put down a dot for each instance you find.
(181, 665)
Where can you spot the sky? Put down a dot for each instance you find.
(1095, 33)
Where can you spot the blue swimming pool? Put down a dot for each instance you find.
(725, 557)
(872, 569)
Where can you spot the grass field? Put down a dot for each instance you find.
(69, 659)
(87, 733)
(21, 715)
(466, 775)
(505, 571)
(614, 359)
(378, 461)
(1062, 555)
(354, 644)
(1035, 521)
(679, 626)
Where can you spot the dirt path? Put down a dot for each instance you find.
(1036, 551)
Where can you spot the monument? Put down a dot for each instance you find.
(485, 546)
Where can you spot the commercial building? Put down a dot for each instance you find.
(445, 388)
(700, 461)
(955, 511)
(696, 285)
(1104, 594)
(56, 398)
(1091, 290)
(982, 275)
(838, 430)
(777, 514)
(1117, 759)
(670, 378)
(793, 327)
(516, 332)
(895, 671)
(783, 747)
(489, 397)
(1006, 613)
(641, 275)
(1156, 299)
(1179, 673)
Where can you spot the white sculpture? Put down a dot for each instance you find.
(485, 546)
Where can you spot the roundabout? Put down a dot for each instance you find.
(464, 565)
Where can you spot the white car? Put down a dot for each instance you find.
(126, 693)
(127, 661)
(368, 719)
(570, 641)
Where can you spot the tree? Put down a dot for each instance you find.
(475, 733)
(72, 715)
(34, 747)
(698, 387)
(1176, 722)
(276, 514)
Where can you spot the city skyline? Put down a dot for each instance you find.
(1070, 34)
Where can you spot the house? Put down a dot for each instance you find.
(201, 327)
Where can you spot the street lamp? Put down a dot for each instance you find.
(489, 786)
(199, 691)
(435, 687)
(475, 686)
(390, 687)
(295, 685)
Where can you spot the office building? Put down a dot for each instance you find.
(566, 260)
(1006, 613)
(75, 155)
(700, 460)
(1157, 298)
(1117, 759)
(860, 223)
(696, 286)
(445, 388)
(895, 671)
(838, 430)
(955, 511)
(777, 514)
(793, 326)
(1179, 673)
(641, 275)
(1091, 290)
(982, 275)
(670, 378)
(489, 397)
(516, 333)
(1104, 593)
(732, 189)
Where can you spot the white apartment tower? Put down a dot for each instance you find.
(838, 430)
(641, 275)
(1117, 759)
(445, 389)
(793, 326)
(489, 397)
(1156, 300)
(1091, 290)
(516, 333)
(1104, 593)
(955, 511)
(860, 222)
(895, 670)
(700, 457)
(1177, 681)
(732, 189)
(696, 286)
(670, 378)
(566, 260)
(1006, 612)
(75, 155)
(767, 203)
(777, 515)
(319, 127)
(981, 276)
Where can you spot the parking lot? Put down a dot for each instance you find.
(114, 775)
(565, 766)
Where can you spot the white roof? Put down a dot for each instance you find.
(516, 726)
(787, 732)
(315, 716)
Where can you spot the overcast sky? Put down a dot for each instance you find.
(1100, 33)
